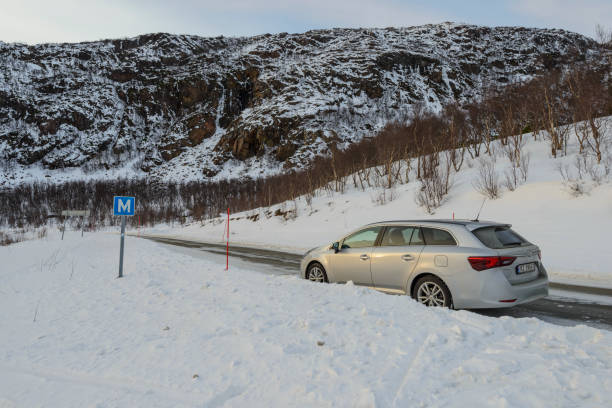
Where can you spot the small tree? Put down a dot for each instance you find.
(487, 181)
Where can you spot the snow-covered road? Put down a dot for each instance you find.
(582, 305)
(179, 331)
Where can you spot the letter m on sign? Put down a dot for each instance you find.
(123, 205)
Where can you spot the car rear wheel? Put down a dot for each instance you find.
(431, 291)
(316, 273)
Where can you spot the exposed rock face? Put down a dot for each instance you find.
(186, 106)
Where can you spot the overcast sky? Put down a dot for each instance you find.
(36, 21)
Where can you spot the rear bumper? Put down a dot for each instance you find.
(491, 289)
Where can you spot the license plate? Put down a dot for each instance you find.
(526, 268)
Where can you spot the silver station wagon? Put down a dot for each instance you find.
(452, 263)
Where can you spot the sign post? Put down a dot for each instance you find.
(227, 242)
(121, 250)
(75, 213)
(123, 206)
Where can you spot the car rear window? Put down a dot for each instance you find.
(434, 236)
(497, 237)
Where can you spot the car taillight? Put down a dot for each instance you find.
(480, 263)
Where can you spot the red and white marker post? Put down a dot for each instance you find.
(227, 242)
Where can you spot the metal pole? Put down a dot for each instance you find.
(63, 229)
(82, 225)
(121, 250)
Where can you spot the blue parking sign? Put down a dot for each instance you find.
(123, 205)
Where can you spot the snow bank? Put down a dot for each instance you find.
(573, 232)
(178, 331)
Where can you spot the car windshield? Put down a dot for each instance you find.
(497, 237)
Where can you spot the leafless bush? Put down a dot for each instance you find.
(513, 149)
(407, 169)
(524, 167)
(511, 178)
(41, 233)
(384, 196)
(487, 181)
(587, 165)
(603, 36)
(433, 190)
(308, 198)
(574, 177)
(11, 237)
(574, 185)
(519, 168)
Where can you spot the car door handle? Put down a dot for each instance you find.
(407, 257)
(364, 257)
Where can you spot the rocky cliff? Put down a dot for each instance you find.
(178, 106)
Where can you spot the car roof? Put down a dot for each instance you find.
(469, 224)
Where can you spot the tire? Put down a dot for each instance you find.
(431, 291)
(316, 273)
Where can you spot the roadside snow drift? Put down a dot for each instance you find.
(177, 331)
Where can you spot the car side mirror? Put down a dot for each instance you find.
(336, 247)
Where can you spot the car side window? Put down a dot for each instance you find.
(434, 236)
(417, 237)
(362, 239)
(399, 236)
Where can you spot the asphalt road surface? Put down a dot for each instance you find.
(564, 311)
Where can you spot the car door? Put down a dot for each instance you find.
(352, 261)
(396, 257)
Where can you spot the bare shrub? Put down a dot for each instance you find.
(519, 164)
(8, 238)
(433, 190)
(385, 196)
(575, 187)
(513, 149)
(524, 167)
(573, 180)
(511, 178)
(407, 169)
(603, 36)
(41, 233)
(487, 181)
(308, 198)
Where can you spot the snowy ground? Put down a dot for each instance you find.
(572, 231)
(180, 331)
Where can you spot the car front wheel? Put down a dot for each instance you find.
(316, 273)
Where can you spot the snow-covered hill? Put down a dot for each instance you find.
(565, 207)
(185, 107)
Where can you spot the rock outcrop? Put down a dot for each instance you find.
(191, 107)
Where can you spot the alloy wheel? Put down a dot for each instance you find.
(431, 294)
(316, 274)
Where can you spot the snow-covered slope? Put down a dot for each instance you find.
(572, 229)
(185, 107)
(181, 332)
